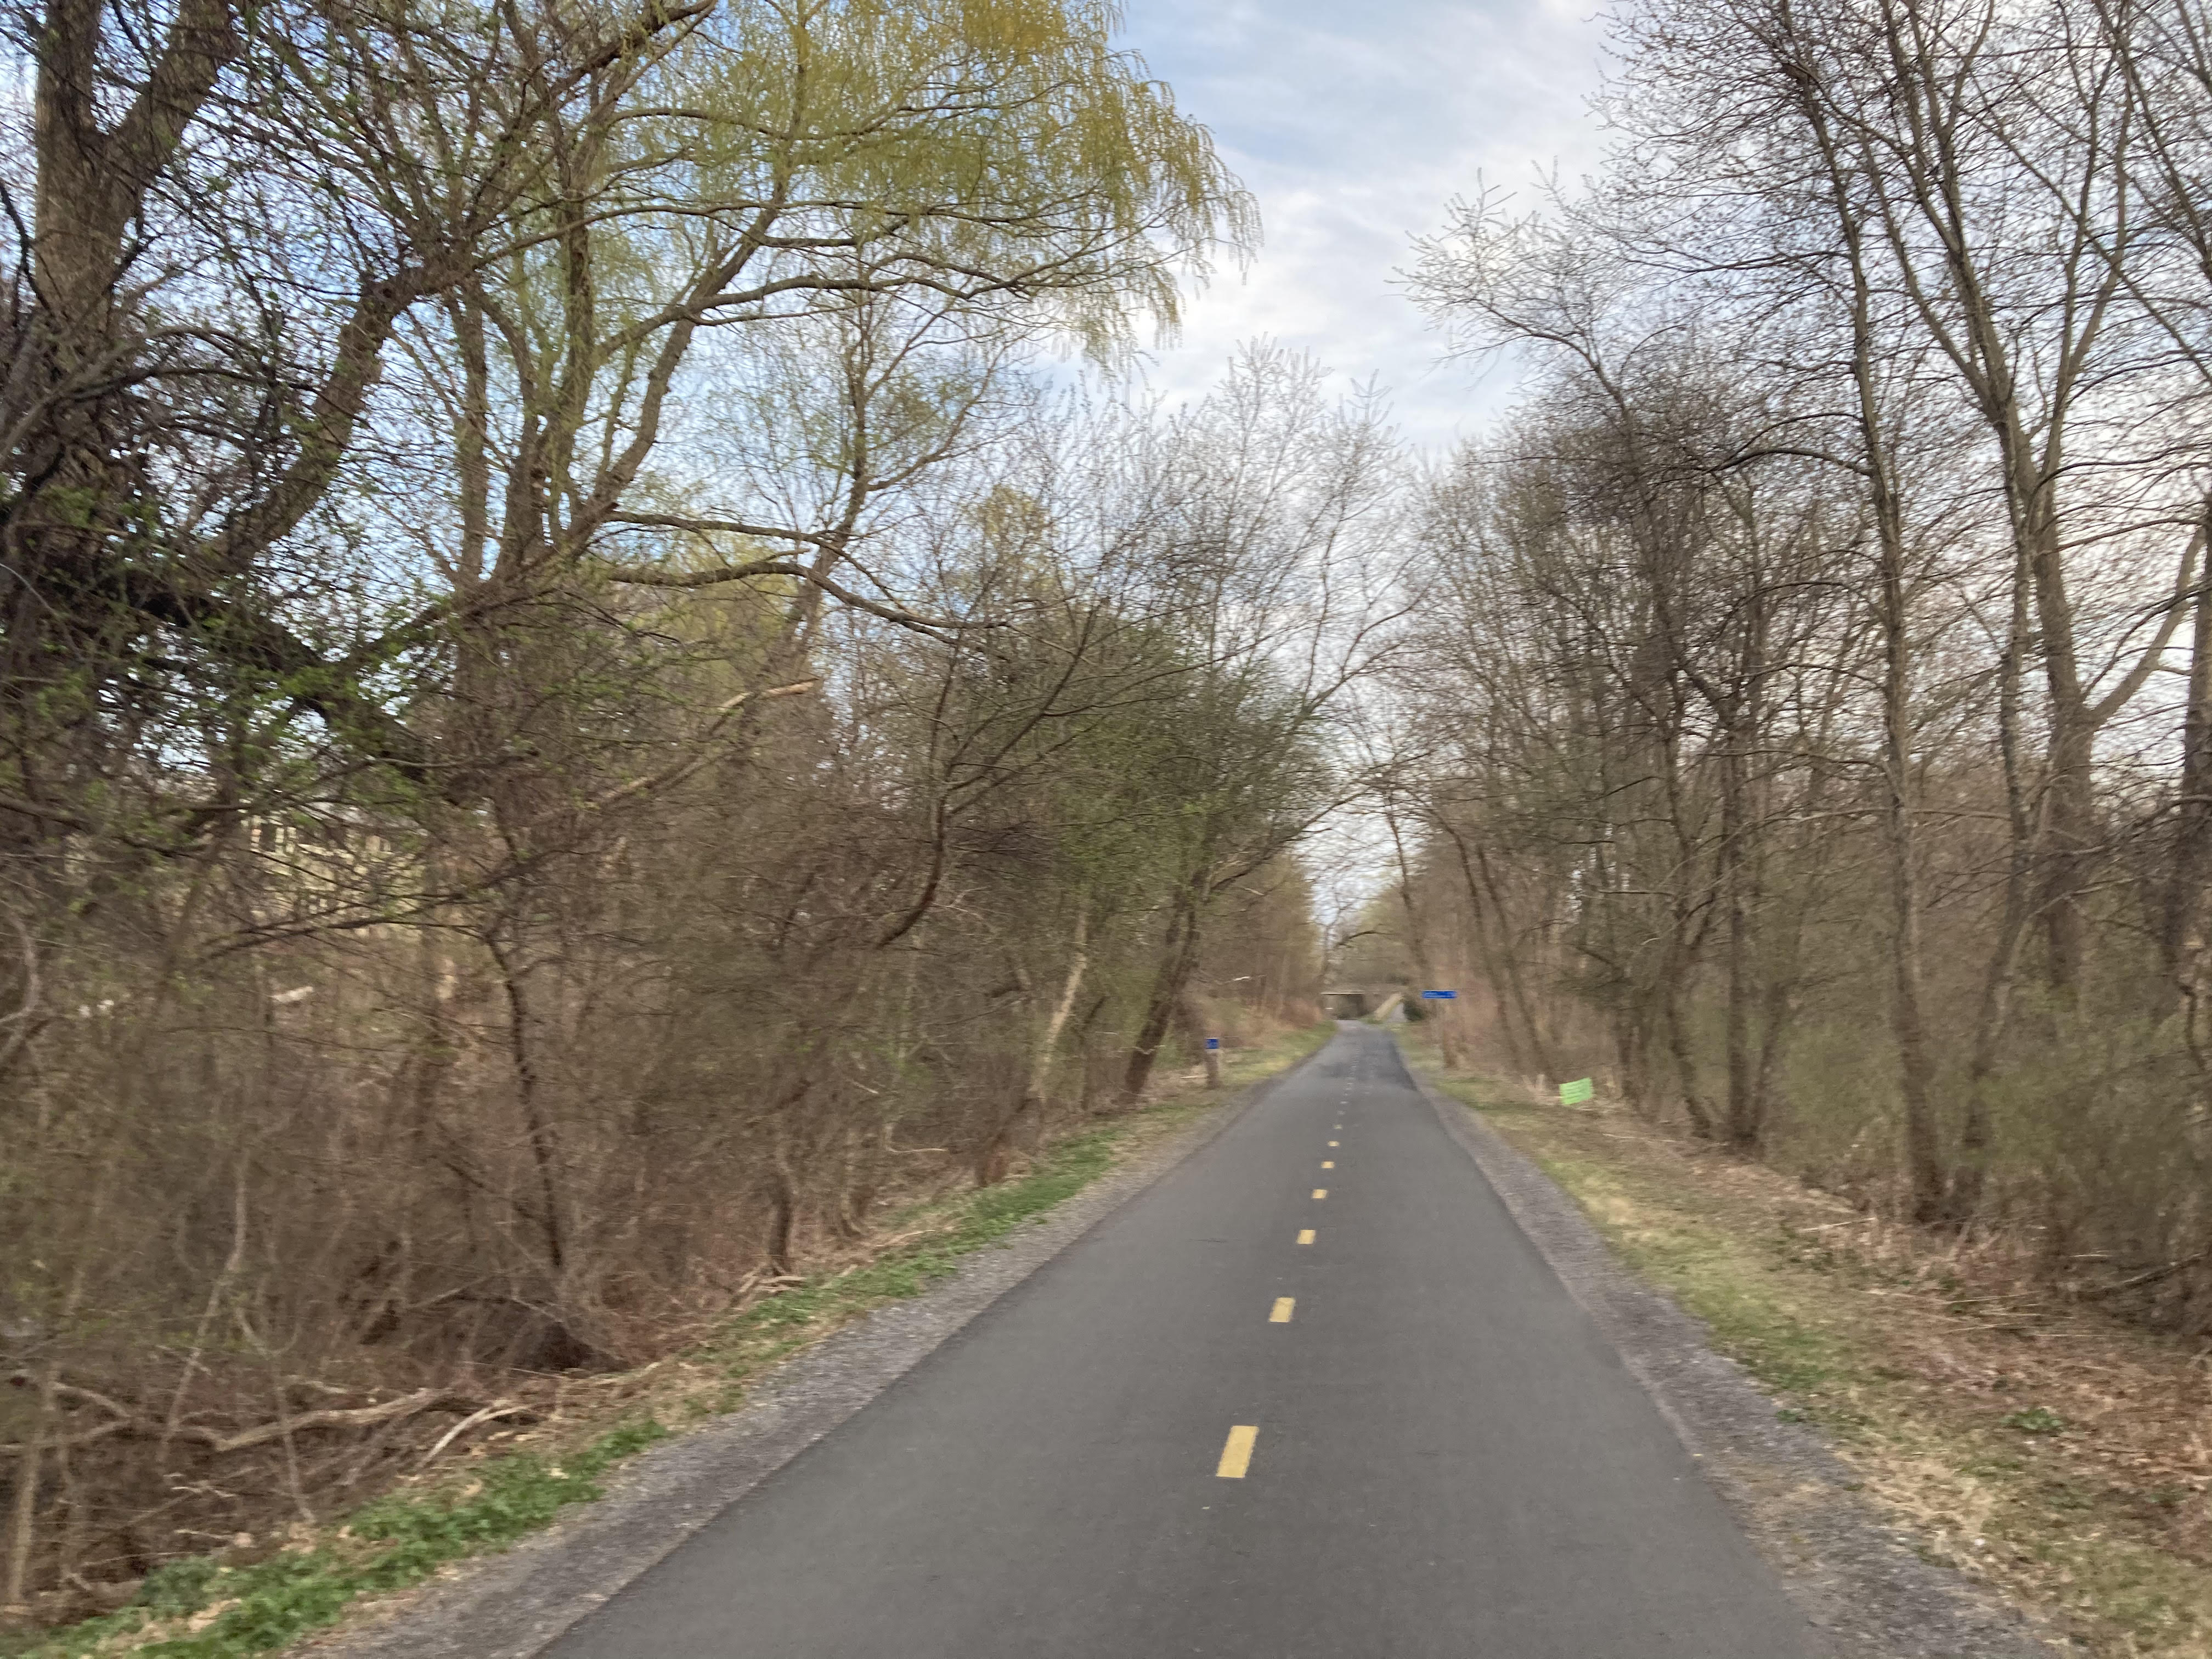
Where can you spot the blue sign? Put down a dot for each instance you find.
(1440, 996)
(1213, 1042)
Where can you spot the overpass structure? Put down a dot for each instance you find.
(1359, 1001)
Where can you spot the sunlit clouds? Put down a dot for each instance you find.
(1352, 125)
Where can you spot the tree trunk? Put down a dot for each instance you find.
(1908, 1025)
(1629, 1049)
(1178, 957)
(1746, 1111)
(23, 1514)
(1994, 1017)
(783, 1202)
(1500, 956)
(1028, 1109)
(537, 1129)
(1694, 1103)
(2180, 946)
(1417, 942)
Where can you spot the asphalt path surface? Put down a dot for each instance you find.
(1241, 1418)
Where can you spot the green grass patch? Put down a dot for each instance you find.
(198, 1609)
(1726, 1281)
(201, 1608)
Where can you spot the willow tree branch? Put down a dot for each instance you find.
(669, 776)
(937, 627)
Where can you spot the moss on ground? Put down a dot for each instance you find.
(204, 1608)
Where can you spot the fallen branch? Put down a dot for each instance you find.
(496, 1409)
(123, 1420)
(356, 1417)
(2146, 1278)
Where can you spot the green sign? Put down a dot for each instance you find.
(1573, 1094)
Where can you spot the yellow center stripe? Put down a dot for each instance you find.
(1237, 1456)
(1305, 1235)
(1281, 1315)
(1329, 1163)
(1320, 1192)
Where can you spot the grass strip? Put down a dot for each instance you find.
(222, 1612)
(201, 1608)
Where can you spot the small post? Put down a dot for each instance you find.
(1213, 1062)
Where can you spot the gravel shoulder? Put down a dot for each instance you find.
(1859, 1580)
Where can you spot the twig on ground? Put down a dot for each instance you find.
(496, 1409)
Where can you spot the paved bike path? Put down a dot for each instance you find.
(1445, 1458)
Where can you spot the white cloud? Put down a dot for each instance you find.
(1352, 125)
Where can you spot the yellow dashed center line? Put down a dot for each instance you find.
(1329, 1163)
(1237, 1456)
(1305, 1235)
(1281, 1313)
(1332, 1142)
(1320, 1192)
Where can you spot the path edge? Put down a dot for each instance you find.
(516, 1603)
(1859, 1581)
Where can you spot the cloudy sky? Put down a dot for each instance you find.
(1353, 123)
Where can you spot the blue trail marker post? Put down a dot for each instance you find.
(1213, 1062)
